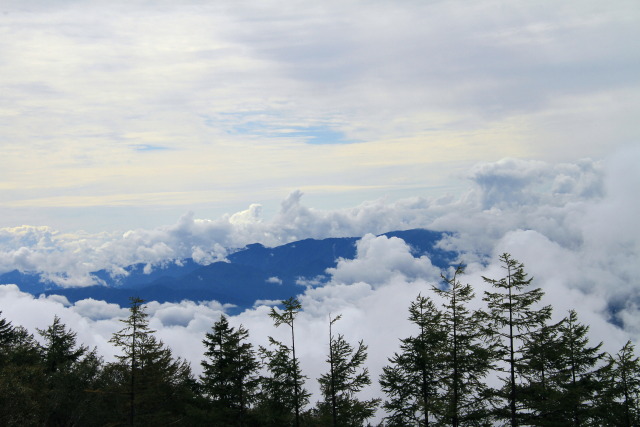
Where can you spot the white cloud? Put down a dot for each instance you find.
(573, 225)
(379, 259)
(152, 111)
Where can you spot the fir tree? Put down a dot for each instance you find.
(22, 380)
(539, 366)
(70, 370)
(347, 376)
(621, 391)
(230, 372)
(291, 309)
(6, 333)
(412, 380)
(578, 379)
(277, 400)
(469, 356)
(158, 386)
(512, 316)
(60, 350)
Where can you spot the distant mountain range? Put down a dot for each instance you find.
(251, 274)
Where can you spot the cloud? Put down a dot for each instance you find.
(572, 225)
(232, 94)
(379, 259)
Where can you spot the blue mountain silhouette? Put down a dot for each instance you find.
(253, 273)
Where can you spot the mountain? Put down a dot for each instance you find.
(253, 273)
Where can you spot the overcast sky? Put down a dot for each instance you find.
(147, 131)
(117, 115)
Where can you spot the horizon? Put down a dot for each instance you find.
(147, 133)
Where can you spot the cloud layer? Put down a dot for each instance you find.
(573, 225)
(122, 114)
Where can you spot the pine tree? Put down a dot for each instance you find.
(277, 400)
(230, 372)
(512, 316)
(412, 381)
(620, 396)
(22, 379)
(347, 376)
(158, 386)
(578, 379)
(291, 309)
(6, 333)
(70, 369)
(539, 366)
(60, 350)
(469, 356)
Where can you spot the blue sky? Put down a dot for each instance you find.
(118, 115)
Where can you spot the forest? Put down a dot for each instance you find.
(504, 364)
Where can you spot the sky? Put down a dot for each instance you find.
(151, 131)
(120, 115)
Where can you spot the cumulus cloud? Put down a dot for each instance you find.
(379, 259)
(573, 225)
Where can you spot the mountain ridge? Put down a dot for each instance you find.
(253, 273)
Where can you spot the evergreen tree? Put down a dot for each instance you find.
(412, 381)
(291, 309)
(469, 356)
(347, 376)
(578, 379)
(22, 379)
(277, 400)
(60, 349)
(158, 387)
(512, 316)
(620, 397)
(6, 333)
(539, 366)
(70, 370)
(230, 372)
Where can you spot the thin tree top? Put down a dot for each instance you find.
(291, 308)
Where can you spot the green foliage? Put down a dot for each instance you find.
(511, 318)
(277, 400)
(412, 380)
(468, 356)
(230, 375)
(22, 379)
(6, 333)
(291, 308)
(339, 387)
(158, 388)
(620, 401)
(538, 368)
(578, 372)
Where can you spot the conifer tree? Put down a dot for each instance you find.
(277, 399)
(512, 316)
(291, 309)
(230, 375)
(339, 387)
(539, 366)
(578, 380)
(159, 386)
(70, 370)
(412, 380)
(60, 349)
(22, 379)
(621, 389)
(6, 333)
(469, 356)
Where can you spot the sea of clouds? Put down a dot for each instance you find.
(574, 226)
